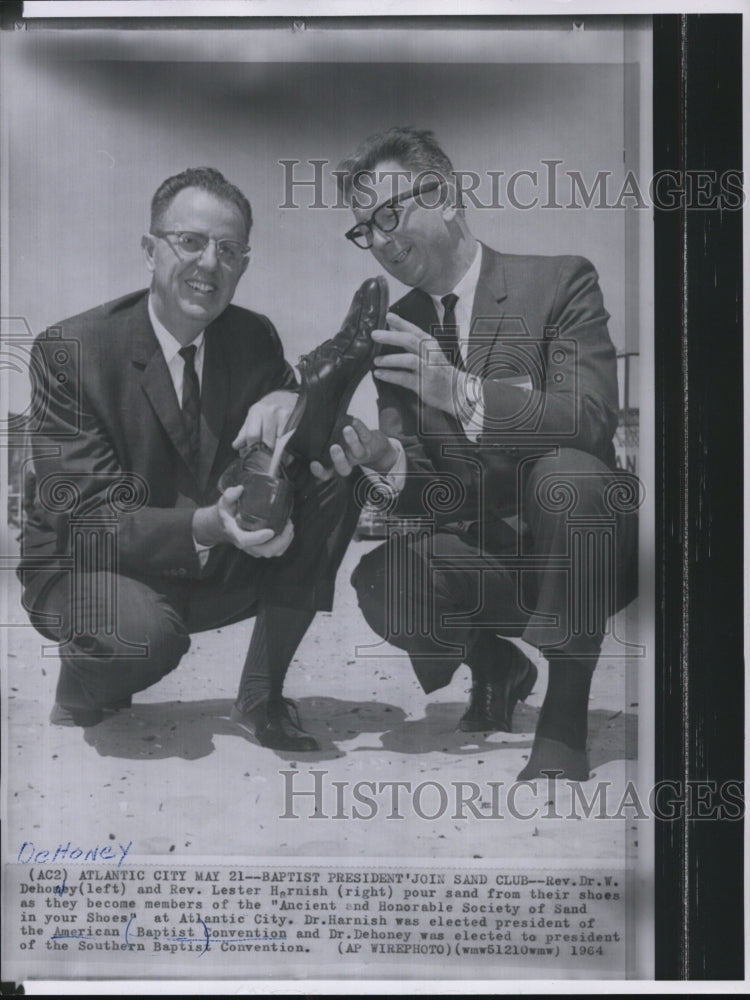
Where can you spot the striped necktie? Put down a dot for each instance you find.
(191, 400)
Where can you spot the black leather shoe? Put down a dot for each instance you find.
(275, 724)
(266, 501)
(492, 703)
(330, 374)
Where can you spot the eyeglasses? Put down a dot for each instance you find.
(230, 253)
(386, 217)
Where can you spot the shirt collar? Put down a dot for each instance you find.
(467, 286)
(169, 344)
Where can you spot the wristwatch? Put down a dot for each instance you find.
(473, 391)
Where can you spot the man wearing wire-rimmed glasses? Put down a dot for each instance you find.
(153, 393)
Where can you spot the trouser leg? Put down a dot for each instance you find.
(438, 598)
(324, 518)
(298, 584)
(582, 517)
(277, 633)
(117, 636)
(581, 544)
(284, 592)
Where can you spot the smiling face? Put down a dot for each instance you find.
(188, 294)
(422, 250)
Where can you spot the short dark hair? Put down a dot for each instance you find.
(416, 149)
(205, 178)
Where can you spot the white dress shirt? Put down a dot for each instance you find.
(171, 347)
(465, 291)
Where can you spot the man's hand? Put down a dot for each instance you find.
(423, 368)
(361, 446)
(218, 524)
(266, 419)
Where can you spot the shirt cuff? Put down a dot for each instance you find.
(203, 552)
(471, 416)
(395, 478)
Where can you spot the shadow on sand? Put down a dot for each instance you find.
(187, 730)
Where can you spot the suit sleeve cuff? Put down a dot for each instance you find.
(395, 478)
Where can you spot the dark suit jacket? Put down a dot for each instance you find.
(536, 320)
(107, 407)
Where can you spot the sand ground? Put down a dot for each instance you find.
(173, 775)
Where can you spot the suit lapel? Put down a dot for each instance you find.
(487, 312)
(157, 383)
(214, 398)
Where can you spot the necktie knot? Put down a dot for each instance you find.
(449, 304)
(188, 355)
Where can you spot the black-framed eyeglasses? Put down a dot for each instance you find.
(386, 217)
(187, 244)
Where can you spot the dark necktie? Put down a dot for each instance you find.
(448, 335)
(191, 400)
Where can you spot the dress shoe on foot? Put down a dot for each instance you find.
(555, 760)
(63, 715)
(275, 724)
(330, 374)
(492, 703)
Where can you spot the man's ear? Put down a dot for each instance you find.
(245, 262)
(148, 244)
(450, 207)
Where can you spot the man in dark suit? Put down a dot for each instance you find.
(497, 395)
(130, 546)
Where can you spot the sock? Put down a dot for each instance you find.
(490, 657)
(564, 713)
(277, 633)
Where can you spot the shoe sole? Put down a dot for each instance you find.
(341, 421)
(60, 716)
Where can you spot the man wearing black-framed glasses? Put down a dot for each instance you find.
(386, 218)
(145, 399)
(497, 395)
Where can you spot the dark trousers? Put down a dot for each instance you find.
(120, 634)
(555, 581)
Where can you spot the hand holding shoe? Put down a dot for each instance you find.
(266, 420)
(359, 446)
(217, 525)
(330, 374)
(421, 366)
